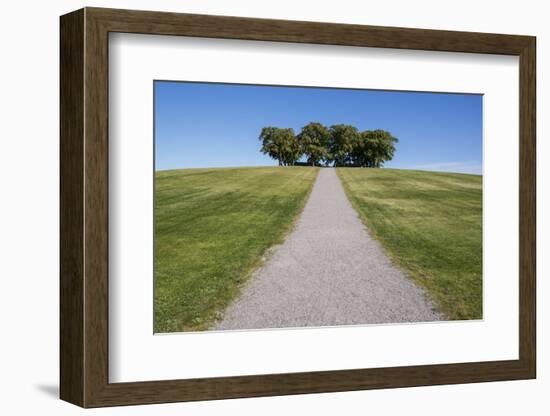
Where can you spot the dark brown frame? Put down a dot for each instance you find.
(84, 208)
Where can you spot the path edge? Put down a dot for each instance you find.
(391, 256)
(265, 255)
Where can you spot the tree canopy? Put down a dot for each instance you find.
(338, 145)
(372, 148)
(280, 144)
(343, 139)
(313, 140)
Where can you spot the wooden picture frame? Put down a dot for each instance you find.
(84, 207)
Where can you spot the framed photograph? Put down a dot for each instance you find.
(255, 207)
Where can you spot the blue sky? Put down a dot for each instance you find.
(217, 125)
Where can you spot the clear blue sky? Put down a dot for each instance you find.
(217, 125)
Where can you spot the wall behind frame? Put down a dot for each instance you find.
(29, 169)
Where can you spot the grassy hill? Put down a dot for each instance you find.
(212, 226)
(431, 225)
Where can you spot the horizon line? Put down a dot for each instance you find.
(324, 167)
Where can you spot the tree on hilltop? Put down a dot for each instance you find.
(343, 138)
(280, 144)
(313, 140)
(373, 148)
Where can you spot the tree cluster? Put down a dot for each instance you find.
(338, 145)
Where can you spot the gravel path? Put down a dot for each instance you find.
(329, 271)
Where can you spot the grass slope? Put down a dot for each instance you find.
(212, 227)
(431, 225)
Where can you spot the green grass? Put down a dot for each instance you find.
(212, 227)
(431, 225)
